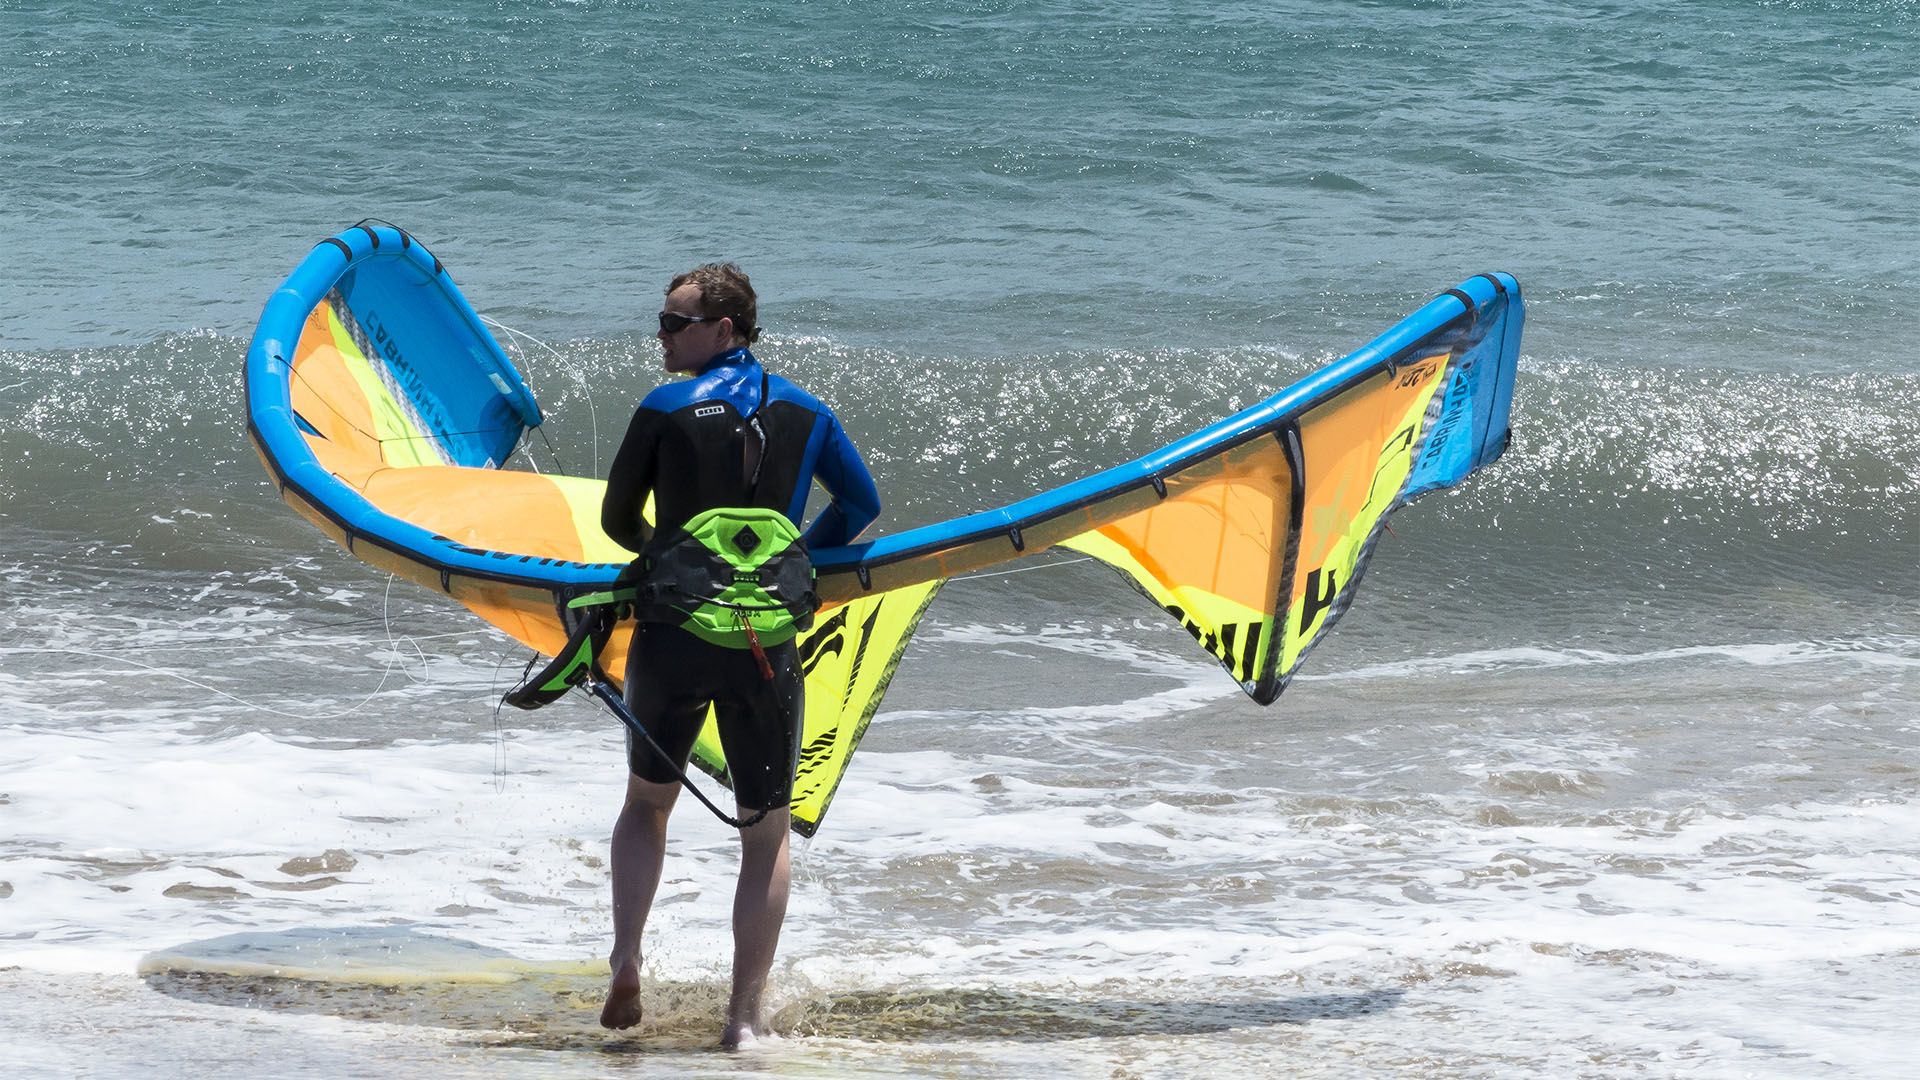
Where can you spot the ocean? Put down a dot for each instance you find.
(1612, 770)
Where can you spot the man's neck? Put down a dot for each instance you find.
(732, 354)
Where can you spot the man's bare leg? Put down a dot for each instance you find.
(759, 907)
(638, 853)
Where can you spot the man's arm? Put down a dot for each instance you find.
(856, 501)
(629, 481)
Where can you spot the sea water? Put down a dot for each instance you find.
(1610, 771)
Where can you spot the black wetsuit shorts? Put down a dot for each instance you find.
(672, 676)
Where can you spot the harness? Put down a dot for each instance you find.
(737, 577)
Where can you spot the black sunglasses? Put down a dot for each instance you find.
(673, 322)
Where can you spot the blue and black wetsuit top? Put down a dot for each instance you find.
(733, 435)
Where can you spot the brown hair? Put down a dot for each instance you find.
(725, 292)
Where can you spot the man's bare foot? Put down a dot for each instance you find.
(622, 1009)
(739, 1035)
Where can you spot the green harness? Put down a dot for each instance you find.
(734, 576)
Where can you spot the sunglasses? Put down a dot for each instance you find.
(673, 323)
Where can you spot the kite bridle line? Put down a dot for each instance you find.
(577, 666)
(618, 707)
(593, 412)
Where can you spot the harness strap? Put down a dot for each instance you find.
(578, 660)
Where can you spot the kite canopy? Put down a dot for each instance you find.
(385, 413)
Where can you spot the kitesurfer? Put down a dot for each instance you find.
(731, 435)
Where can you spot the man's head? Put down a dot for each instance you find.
(709, 310)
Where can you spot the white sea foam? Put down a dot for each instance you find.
(134, 841)
(1524, 868)
(1872, 652)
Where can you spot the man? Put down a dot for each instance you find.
(729, 436)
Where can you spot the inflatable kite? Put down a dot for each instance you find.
(388, 416)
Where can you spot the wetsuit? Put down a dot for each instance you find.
(732, 435)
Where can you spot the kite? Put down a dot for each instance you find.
(388, 415)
